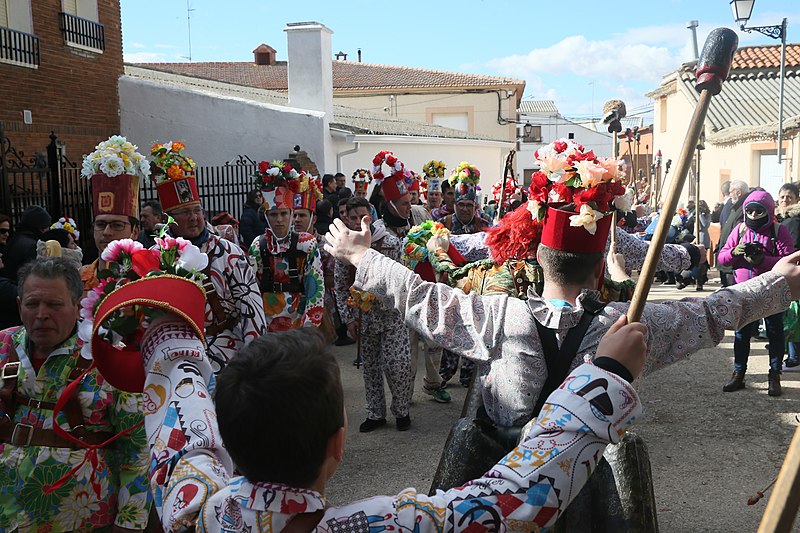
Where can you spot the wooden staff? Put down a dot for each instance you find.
(358, 340)
(712, 69)
(782, 506)
(508, 170)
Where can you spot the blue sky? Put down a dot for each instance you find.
(578, 53)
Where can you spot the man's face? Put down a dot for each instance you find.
(786, 198)
(279, 220)
(148, 219)
(109, 228)
(191, 222)
(360, 194)
(450, 197)
(736, 194)
(48, 312)
(354, 216)
(331, 186)
(414, 197)
(465, 211)
(340, 182)
(434, 199)
(303, 220)
(343, 212)
(402, 206)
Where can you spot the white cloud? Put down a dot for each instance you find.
(145, 57)
(136, 45)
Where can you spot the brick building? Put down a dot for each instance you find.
(59, 65)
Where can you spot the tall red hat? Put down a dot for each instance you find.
(393, 186)
(361, 179)
(563, 231)
(115, 169)
(173, 172)
(310, 191)
(413, 182)
(117, 195)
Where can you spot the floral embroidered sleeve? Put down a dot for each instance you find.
(342, 291)
(133, 502)
(674, 258)
(529, 488)
(314, 285)
(254, 257)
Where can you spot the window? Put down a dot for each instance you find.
(456, 121)
(570, 135)
(531, 133)
(79, 23)
(662, 114)
(17, 44)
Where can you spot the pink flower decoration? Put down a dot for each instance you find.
(115, 250)
(168, 243)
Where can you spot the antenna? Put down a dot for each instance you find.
(189, 25)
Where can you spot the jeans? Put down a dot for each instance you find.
(741, 343)
(794, 352)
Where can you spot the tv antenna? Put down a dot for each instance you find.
(189, 25)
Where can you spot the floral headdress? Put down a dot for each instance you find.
(114, 157)
(169, 163)
(511, 189)
(434, 169)
(68, 225)
(309, 192)
(271, 176)
(570, 175)
(464, 179)
(415, 242)
(361, 179)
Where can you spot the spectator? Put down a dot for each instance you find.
(727, 203)
(150, 216)
(737, 191)
(329, 189)
(788, 214)
(342, 206)
(9, 309)
(252, 222)
(341, 186)
(5, 233)
(22, 247)
(324, 216)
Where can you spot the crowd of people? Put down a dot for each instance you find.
(524, 298)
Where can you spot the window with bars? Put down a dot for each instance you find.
(18, 46)
(80, 25)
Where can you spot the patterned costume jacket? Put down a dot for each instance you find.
(121, 471)
(291, 310)
(235, 284)
(193, 486)
(502, 331)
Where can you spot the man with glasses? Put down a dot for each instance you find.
(234, 314)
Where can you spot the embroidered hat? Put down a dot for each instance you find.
(173, 173)
(464, 179)
(394, 186)
(115, 169)
(361, 179)
(309, 193)
(279, 182)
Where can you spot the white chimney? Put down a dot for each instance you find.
(310, 66)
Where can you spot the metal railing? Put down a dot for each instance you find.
(19, 46)
(81, 31)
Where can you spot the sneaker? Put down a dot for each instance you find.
(371, 425)
(402, 423)
(791, 366)
(344, 341)
(442, 396)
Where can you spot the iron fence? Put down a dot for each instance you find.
(19, 47)
(82, 31)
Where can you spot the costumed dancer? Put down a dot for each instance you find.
(396, 213)
(234, 313)
(432, 186)
(287, 263)
(362, 177)
(383, 338)
(278, 488)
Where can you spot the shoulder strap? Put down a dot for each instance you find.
(303, 523)
(559, 360)
(9, 373)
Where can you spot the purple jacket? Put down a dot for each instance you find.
(783, 245)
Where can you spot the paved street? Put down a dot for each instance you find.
(709, 450)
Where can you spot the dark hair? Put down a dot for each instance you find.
(567, 268)
(342, 201)
(250, 200)
(278, 401)
(155, 205)
(324, 208)
(326, 179)
(446, 186)
(339, 175)
(345, 193)
(791, 187)
(134, 222)
(355, 203)
(58, 234)
(5, 218)
(52, 268)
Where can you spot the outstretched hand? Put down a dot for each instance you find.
(347, 245)
(788, 266)
(616, 265)
(627, 343)
(436, 243)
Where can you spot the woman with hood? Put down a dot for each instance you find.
(752, 248)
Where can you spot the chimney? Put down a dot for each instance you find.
(359, 55)
(264, 55)
(310, 67)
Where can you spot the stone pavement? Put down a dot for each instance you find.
(709, 450)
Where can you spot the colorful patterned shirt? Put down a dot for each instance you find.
(194, 487)
(121, 471)
(291, 310)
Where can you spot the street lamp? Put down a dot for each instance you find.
(742, 9)
(527, 129)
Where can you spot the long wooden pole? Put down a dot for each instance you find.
(670, 203)
(782, 507)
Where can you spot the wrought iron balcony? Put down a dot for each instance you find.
(19, 47)
(82, 32)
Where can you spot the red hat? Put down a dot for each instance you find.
(564, 231)
(176, 183)
(413, 183)
(123, 368)
(361, 179)
(394, 186)
(117, 195)
(309, 193)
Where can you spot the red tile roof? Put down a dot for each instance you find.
(758, 57)
(347, 76)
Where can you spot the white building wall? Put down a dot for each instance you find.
(215, 129)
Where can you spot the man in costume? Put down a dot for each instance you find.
(37, 362)
(234, 312)
(281, 485)
(383, 338)
(432, 185)
(465, 219)
(287, 263)
(507, 335)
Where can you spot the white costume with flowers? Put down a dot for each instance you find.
(195, 488)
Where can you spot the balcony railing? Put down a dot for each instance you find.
(82, 32)
(19, 47)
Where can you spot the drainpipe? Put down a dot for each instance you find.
(340, 155)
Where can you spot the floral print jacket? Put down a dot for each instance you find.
(291, 310)
(194, 487)
(120, 473)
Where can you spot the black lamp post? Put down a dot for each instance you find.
(527, 129)
(742, 9)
